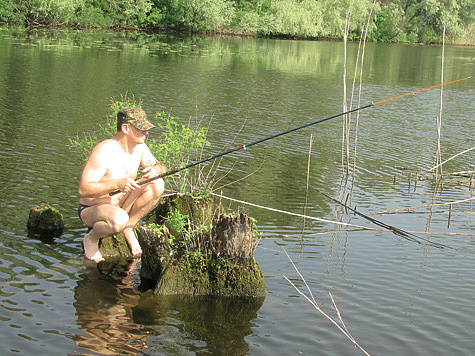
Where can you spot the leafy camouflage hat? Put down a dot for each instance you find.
(135, 117)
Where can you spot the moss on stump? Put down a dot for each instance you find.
(199, 212)
(211, 259)
(45, 223)
(219, 277)
(114, 246)
(45, 217)
(117, 256)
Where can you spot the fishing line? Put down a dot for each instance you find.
(179, 169)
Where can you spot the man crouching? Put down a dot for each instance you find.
(113, 165)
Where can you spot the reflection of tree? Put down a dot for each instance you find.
(116, 320)
(221, 322)
(103, 306)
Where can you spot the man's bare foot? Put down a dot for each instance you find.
(91, 249)
(132, 241)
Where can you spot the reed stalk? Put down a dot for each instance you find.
(308, 179)
(449, 159)
(438, 177)
(349, 144)
(439, 118)
(405, 234)
(422, 206)
(359, 96)
(345, 106)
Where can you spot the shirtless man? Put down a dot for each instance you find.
(113, 165)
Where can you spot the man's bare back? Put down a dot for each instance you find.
(113, 165)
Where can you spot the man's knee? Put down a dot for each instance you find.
(118, 220)
(157, 188)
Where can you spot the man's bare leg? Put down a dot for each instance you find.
(105, 220)
(91, 248)
(138, 205)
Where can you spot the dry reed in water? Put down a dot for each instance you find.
(311, 299)
(308, 178)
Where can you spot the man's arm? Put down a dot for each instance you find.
(151, 166)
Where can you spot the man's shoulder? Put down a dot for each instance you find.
(106, 147)
(107, 144)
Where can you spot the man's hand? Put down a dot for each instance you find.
(127, 184)
(150, 172)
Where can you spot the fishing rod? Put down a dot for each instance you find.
(179, 169)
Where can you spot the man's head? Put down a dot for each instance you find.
(135, 117)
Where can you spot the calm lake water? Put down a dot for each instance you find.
(396, 296)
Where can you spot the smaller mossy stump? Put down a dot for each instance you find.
(212, 259)
(117, 256)
(45, 220)
(114, 246)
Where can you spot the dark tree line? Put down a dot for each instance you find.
(391, 20)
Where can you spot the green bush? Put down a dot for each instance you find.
(9, 14)
(176, 142)
(89, 16)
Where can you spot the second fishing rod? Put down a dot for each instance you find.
(179, 169)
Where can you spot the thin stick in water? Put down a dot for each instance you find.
(308, 178)
(314, 303)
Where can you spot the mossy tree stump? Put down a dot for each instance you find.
(45, 217)
(205, 253)
(45, 222)
(114, 246)
(117, 256)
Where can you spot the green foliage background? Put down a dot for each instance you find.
(392, 21)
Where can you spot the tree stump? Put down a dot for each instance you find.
(45, 222)
(115, 246)
(216, 259)
(233, 238)
(199, 213)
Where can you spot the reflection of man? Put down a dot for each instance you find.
(104, 309)
(113, 165)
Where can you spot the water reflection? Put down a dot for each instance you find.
(387, 288)
(212, 325)
(104, 312)
(116, 319)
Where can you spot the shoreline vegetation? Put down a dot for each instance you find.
(403, 21)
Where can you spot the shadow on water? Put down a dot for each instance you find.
(45, 236)
(116, 319)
